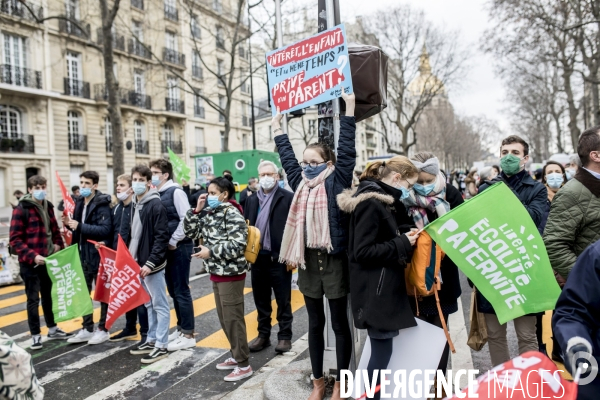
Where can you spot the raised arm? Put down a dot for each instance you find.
(346, 150)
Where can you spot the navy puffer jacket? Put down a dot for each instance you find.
(337, 182)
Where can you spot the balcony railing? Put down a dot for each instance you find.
(197, 72)
(200, 150)
(140, 100)
(173, 57)
(109, 144)
(117, 40)
(78, 142)
(141, 147)
(175, 105)
(245, 120)
(371, 144)
(139, 4)
(70, 28)
(17, 9)
(77, 88)
(171, 12)
(199, 112)
(20, 76)
(19, 144)
(177, 147)
(138, 49)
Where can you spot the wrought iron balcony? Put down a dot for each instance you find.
(118, 41)
(78, 142)
(21, 143)
(70, 28)
(177, 147)
(175, 105)
(77, 88)
(173, 57)
(17, 9)
(140, 100)
(141, 147)
(171, 13)
(139, 4)
(136, 48)
(20, 76)
(199, 112)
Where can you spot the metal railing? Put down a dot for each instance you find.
(70, 28)
(199, 112)
(22, 143)
(17, 9)
(118, 40)
(20, 76)
(175, 105)
(177, 147)
(140, 100)
(78, 142)
(197, 72)
(138, 49)
(173, 57)
(171, 12)
(77, 88)
(141, 147)
(139, 4)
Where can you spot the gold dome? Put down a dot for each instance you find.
(426, 81)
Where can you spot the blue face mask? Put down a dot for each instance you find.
(85, 192)
(313, 172)
(213, 201)
(39, 194)
(281, 184)
(570, 173)
(155, 180)
(423, 190)
(405, 192)
(139, 188)
(554, 180)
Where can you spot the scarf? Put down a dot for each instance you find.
(435, 201)
(43, 210)
(308, 213)
(264, 214)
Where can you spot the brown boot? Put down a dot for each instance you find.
(318, 389)
(336, 391)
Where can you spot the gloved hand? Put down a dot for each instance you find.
(582, 358)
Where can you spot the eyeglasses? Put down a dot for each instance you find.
(270, 174)
(410, 185)
(304, 164)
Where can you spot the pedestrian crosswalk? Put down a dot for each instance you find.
(108, 371)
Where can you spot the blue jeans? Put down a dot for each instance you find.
(178, 284)
(158, 309)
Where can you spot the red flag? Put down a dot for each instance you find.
(126, 291)
(531, 375)
(69, 209)
(107, 264)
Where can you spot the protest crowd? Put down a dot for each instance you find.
(344, 239)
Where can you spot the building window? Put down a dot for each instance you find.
(245, 118)
(74, 66)
(75, 131)
(170, 40)
(222, 141)
(196, 65)
(199, 134)
(219, 38)
(217, 6)
(312, 127)
(172, 88)
(220, 72)
(244, 142)
(108, 134)
(198, 105)
(138, 31)
(244, 81)
(138, 82)
(10, 122)
(74, 173)
(139, 130)
(195, 27)
(73, 13)
(110, 183)
(15, 59)
(222, 107)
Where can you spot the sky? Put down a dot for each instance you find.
(483, 92)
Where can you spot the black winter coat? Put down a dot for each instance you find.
(377, 257)
(97, 227)
(121, 217)
(337, 182)
(280, 207)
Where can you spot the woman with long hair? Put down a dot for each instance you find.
(472, 182)
(316, 238)
(381, 243)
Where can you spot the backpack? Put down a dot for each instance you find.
(252, 243)
(423, 275)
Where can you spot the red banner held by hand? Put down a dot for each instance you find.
(69, 209)
(126, 291)
(105, 271)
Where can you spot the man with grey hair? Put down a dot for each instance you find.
(267, 210)
(573, 165)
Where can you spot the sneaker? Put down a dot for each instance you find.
(59, 334)
(123, 335)
(228, 364)
(144, 348)
(157, 354)
(100, 336)
(238, 374)
(174, 336)
(82, 336)
(181, 343)
(37, 342)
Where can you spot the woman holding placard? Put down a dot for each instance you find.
(316, 238)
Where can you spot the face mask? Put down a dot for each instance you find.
(554, 180)
(139, 188)
(39, 194)
(423, 190)
(213, 201)
(313, 172)
(510, 164)
(85, 192)
(570, 173)
(267, 182)
(155, 180)
(197, 187)
(405, 192)
(123, 195)
(281, 184)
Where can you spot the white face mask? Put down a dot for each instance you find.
(267, 182)
(123, 195)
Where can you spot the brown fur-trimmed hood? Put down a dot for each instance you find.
(349, 199)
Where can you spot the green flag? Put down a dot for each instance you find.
(180, 169)
(494, 241)
(70, 296)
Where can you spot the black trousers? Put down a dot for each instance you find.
(269, 274)
(435, 320)
(88, 320)
(131, 318)
(37, 282)
(381, 353)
